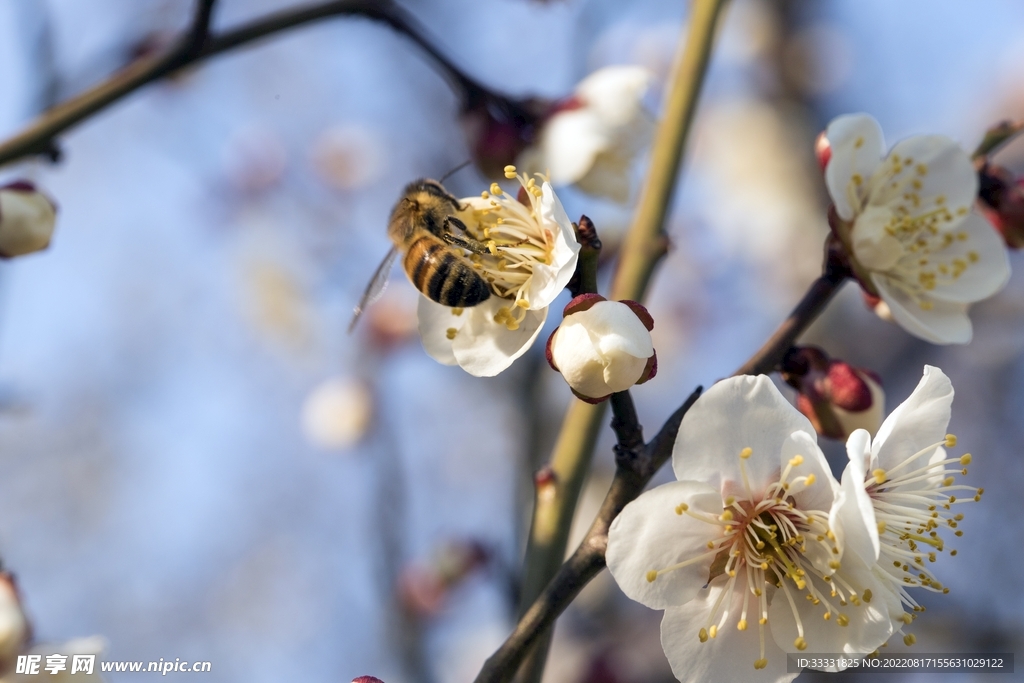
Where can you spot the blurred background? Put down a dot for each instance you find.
(196, 460)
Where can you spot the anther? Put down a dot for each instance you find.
(742, 625)
(965, 459)
(950, 440)
(713, 631)
(450, 333)
(703, 635)
(681, 508)
(651, 576)
(909, 639)
(879, 476)
(760, 663)
(746, 452)
(800, 643)
(843, 620)
(796, 460)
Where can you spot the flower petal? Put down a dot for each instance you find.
(869, 624)
(569, 143)
(917, 423)
(549, 280)
(940, 167)
(730, 656)
(852, 518)
(734, 414)
(857, 148)
(650, 535)
(615, 94)
(945, 323)
(986, 262)
(483, 347)
(435, 321)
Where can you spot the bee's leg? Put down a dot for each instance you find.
(467, 242)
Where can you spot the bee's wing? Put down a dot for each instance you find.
(375, 288)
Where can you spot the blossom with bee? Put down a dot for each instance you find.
(906, 223)
(532, 254)
(740, 551)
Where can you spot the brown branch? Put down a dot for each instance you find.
(769, 356)
(198, 44)
(636, 464)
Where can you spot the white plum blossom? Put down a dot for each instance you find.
(906, 221)
(533, 254)
(739, 552)
(898, 492)
(603, 346)
(594, 136)
(27, 219)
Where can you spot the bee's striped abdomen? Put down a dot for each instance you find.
(442, 275)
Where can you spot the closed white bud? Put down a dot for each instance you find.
(603, 347)
(27, 218)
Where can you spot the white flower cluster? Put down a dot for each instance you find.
(757, 551)
(533, 255)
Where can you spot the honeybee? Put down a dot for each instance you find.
(421, 226)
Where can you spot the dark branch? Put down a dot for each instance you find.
(198, 44)
(769, 356)
(633, 472)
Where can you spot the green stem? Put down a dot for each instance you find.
(643, 248)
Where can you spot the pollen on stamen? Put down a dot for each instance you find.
(681, 508)
(965, 459)
(800, 643)
(760, 663)
(796, 460)
(909, 639)
(713, 631)
(879, 476)
(651, 576)
(510, 171)
(843, 620)
(703, 635)
(496, 189)
(950, 440)
(881, 527)
(746, 452)
(741, 625)
(450, 333)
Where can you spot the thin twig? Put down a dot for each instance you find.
(198, 44)
(769, 356)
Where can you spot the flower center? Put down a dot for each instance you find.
(513, 240)
(765, 539)
(911, 506)
(904, 235)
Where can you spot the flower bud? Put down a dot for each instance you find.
(14, 629)
(835, 396)
(603, 346)
(1002, 202)
(822, 150)
(367, 679)
(27, 217)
